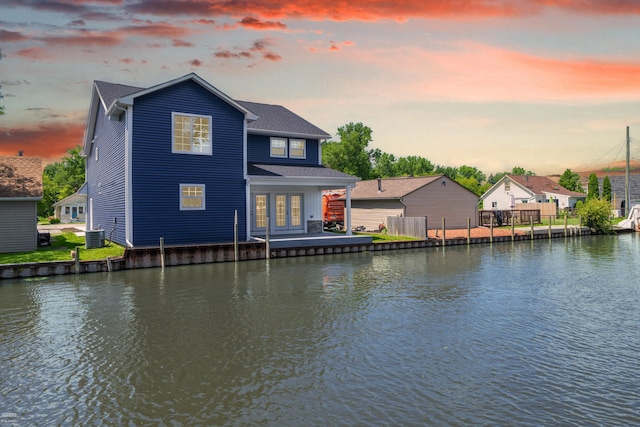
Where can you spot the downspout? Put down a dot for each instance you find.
(247, 184)
(128, 186)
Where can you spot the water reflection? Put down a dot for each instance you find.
(525, 333)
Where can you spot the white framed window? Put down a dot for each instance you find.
(494, 204)
(278, 147)
(507, 185)
(192, 197)
(191, 134)
(81, 210)
(298, 148)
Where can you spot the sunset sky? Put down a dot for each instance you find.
(543, 84)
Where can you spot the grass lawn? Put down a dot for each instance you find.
(60, 250)
(380, 237)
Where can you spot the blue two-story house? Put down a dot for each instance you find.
(182, 160)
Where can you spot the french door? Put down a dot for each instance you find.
(288, 212)
(281, 212)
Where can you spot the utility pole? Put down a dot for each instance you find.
(626, 176)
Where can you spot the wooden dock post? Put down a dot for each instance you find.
(468, 231)
(235, 236)
(266, 242)
(531, 219)
(162, 252)
(444, 232)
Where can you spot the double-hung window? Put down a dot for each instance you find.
(191, 134)
(278, 147)
(297, 148)
(291, 148)
(192, 197)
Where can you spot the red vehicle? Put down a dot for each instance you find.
(333, 210)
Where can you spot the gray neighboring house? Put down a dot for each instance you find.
(72, 208)
(435, 197)
(20, 191)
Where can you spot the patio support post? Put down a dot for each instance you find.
(348, 208)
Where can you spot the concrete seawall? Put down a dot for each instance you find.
(202, 254)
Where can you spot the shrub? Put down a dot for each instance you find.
(596, 214)
(54, 221)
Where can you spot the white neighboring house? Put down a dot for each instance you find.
(72, 208)
(511, 190)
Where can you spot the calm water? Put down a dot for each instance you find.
(542, 333)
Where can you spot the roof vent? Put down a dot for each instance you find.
(379, 185)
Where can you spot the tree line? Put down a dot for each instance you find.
(351, 155)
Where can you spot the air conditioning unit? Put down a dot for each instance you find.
(94, 239)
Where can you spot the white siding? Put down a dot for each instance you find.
(18, 226)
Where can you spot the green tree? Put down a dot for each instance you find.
(606, 189)
(61, 179)
(517, 170)
(383, 164)
(1, 107)
(350, 154)
(571, 181)
(449, 171)
(593, 192)
(596, 214)
(413, 166)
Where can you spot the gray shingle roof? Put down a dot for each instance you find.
(276, 118)
(392, 188)
(20, 177)
(273, 119)
(295, 171)
(109, 92)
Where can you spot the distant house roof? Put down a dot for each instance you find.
(543, 185)
(278, 121)
(81, 194)
(20, 178)
(391, 188)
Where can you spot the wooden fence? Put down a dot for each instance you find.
(407, 226)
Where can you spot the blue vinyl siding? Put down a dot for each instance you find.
(259, 151)
(106, 178)
(157, 172)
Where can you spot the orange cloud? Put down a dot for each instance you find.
(474, 72)
(366, 10)
(256, 24)
(59, 138)
(35, 53)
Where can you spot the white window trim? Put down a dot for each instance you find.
(209, 152)
(286, 147)
(304, 148)
(204, 198)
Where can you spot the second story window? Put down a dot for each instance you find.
(278, 147)
(297, 148)
(507, 185)
(292, 148)
(191, 134)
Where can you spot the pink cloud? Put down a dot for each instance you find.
(11, 36)
(181, 43)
